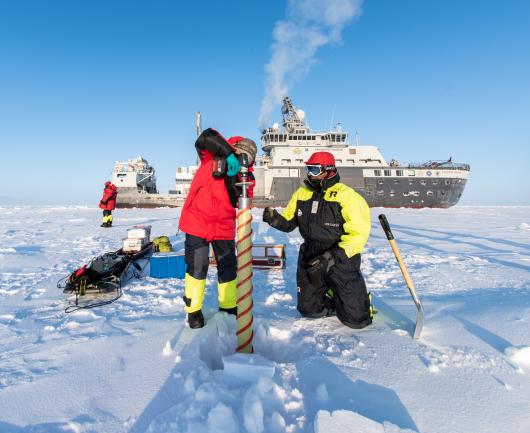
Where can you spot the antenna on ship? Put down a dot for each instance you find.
(332, 117)
(357, 138)
(198, 131)
(198, 127)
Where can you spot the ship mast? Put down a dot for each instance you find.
(198, 126)
(291, 118)
(198, 131)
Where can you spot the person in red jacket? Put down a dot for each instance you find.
(209, 217)
(108, 203)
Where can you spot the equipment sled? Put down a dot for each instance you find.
(103, 274)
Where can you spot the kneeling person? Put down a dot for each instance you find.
(334, 222)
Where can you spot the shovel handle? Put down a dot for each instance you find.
(386, 227)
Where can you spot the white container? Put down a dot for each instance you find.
(138, 232)
(134, 245)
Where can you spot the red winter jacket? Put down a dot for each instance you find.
(108, 201)
(209, 208)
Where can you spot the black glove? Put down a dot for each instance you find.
(339, 255)
(270, 215)
(319, 267)
(324, 261)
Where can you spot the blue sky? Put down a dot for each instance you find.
(86, 83)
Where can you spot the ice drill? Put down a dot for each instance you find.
(245, 319)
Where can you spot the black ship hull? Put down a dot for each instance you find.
(385, 191)
(433, 189)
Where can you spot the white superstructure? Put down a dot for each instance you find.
(286, 148)
(134, 175)
(183, 178)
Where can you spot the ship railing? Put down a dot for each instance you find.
(446, 165)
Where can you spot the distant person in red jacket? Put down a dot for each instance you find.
(108, 203)
(209, 217)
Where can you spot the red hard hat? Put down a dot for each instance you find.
(107, 183)
(235, 139)
(321, 158)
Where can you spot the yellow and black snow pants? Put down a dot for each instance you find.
(107, 217)
(350, 299)
(197, 260)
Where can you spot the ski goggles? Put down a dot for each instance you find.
(314, 170)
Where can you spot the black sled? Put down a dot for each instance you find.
(102, 275)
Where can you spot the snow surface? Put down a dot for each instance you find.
(133, 366)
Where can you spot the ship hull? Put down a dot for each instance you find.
(133, 199)
(442, 189)
(426, 189)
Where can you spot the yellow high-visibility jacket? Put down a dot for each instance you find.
(333, 216)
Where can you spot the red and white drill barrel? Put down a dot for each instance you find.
(245, 319)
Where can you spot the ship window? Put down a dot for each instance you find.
(388, 172)
(286, 161)
(338, 161)
(333, 137)
(304, 137)
(412, 172)
(353, 151)
(399, 172)
(350, 161)
(434, 182)
(377, 172)
(121, 175)
(422, 182)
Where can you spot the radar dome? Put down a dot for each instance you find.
(300, 113)
(275, 127)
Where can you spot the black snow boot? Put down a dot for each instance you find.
(232, 310)
(196, 319)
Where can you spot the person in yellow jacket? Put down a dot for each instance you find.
(334, 222)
